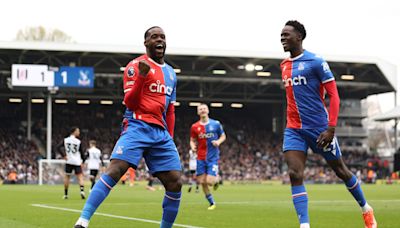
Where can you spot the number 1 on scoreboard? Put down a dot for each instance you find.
(64, 76)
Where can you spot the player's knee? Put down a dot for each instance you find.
(295, 175)
(174, 185)
(178, 185)
(115, 173)
(343, 173)
(210, 182)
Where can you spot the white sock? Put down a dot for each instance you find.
(366, 208)
(83, 222)
(305, 225)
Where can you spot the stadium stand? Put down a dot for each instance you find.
(251, 153)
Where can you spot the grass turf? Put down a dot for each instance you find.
(252, 205)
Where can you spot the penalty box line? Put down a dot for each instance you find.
(110, 215)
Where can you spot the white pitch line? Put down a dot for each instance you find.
(310, 201)
(111, 216)
(258, 202)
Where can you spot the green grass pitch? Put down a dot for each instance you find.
(252, 205)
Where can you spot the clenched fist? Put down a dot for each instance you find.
(144, 68)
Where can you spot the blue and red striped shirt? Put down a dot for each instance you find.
(304, 78)
(205, 134)
(155, 93)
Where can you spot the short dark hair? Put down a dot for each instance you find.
(298, 27)
(93, 142)
(147, 31)
(73, 129)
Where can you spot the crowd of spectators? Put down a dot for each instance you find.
(18, 158)
(250, 153)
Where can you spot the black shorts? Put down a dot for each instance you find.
(77, 169)
(192, 171)
(94, 172)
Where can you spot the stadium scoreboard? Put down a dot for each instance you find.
(75, 77)
(40, 77)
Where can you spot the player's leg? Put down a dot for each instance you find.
(296, 164)
(163, 161)
(128, 151)
(93, 175)
(295, 148)
(217, 178)
(150, 181)
(132, 175)
(195, 180)
(333, 157)
(202, 179)
(211, 179)
(201, 172)
(79, 175)
(173, 184)
(123, 178)
(191, 180)
(67, 176)
(66, 185)
(91, 178)
(101, 189)
(354, 188)
(81, 185)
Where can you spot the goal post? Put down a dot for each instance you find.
(52, 171)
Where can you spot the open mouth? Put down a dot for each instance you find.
(159, 47)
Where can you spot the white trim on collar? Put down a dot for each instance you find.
(160, 65)
(297, 57)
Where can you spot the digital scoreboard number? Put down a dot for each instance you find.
(29, 75)
(40, 77)
(74, 77)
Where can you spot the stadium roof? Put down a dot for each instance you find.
(389, 115)
(198, 80)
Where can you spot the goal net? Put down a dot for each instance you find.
(52, 171)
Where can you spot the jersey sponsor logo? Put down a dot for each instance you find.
(325, 67)
(131, 72)
(157, 87)
(206, 135)
(298, 80)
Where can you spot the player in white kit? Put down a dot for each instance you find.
(74, 157)
(94, 159)
(192, 170)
